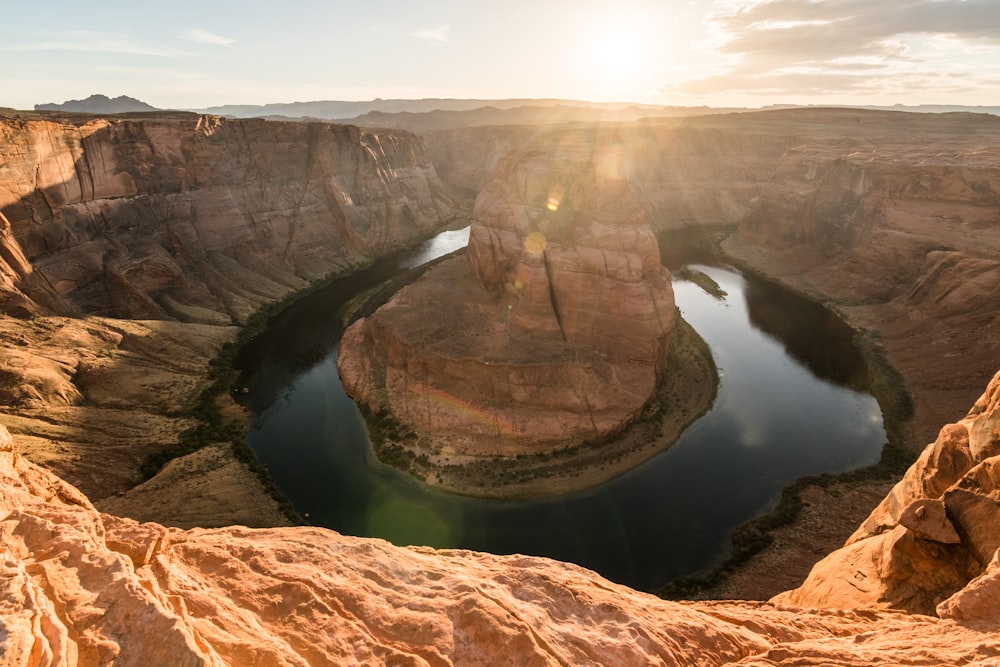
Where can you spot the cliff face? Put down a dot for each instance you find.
(173, 217)
(553, 330)
(198, 218)
(892, 218)
(684, 171)
(897, 224)
(84, 588)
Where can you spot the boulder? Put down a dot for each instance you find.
(919, 558)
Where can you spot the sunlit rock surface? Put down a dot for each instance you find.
(80, 587)
(931, 545)
(890, 217)
(84, 588)
(552, 330)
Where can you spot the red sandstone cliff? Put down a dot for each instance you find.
(553, 330)
(908, 257)
(198, 218)
(172, 216)
(84, 588)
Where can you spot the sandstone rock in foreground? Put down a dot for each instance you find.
(84, 588)
(553, 330)
(931, 545)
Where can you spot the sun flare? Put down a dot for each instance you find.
(619, 51)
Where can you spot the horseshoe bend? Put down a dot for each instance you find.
(553, 330)
(136, 248)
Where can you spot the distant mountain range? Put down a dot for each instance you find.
(440, 113)
(342, 110)
(99, 104)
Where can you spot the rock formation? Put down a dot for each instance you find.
(84, 588)
(904, 237)
(171, 217)
(180, 216)
(552, 330)
(198, 218)
(932, 545)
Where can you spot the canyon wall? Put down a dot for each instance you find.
(684, 171)
(891, 218)
(897, 225)
(85, 588)
(176, 225)
(198, 218)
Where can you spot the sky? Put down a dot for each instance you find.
(749, 53)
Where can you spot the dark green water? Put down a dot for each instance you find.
(791, 403)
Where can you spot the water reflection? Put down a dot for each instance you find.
(774, 421)
(440, 245)
(811, 334)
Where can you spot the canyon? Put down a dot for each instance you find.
(900, 236)
(133, 248)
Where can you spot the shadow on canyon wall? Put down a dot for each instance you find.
(201, 219)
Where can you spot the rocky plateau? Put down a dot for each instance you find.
(133, 247)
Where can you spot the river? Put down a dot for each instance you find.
(792, 402)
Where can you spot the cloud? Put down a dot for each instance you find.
(89, 41)
(438, 34)
(820, 30)
(829, 47)
(201, 36)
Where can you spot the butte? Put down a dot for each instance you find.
(553, 330)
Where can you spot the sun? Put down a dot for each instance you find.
(618, 51)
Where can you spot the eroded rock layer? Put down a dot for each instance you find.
(198, 218)
(552, 330)
(172, 216)
(84, 588)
